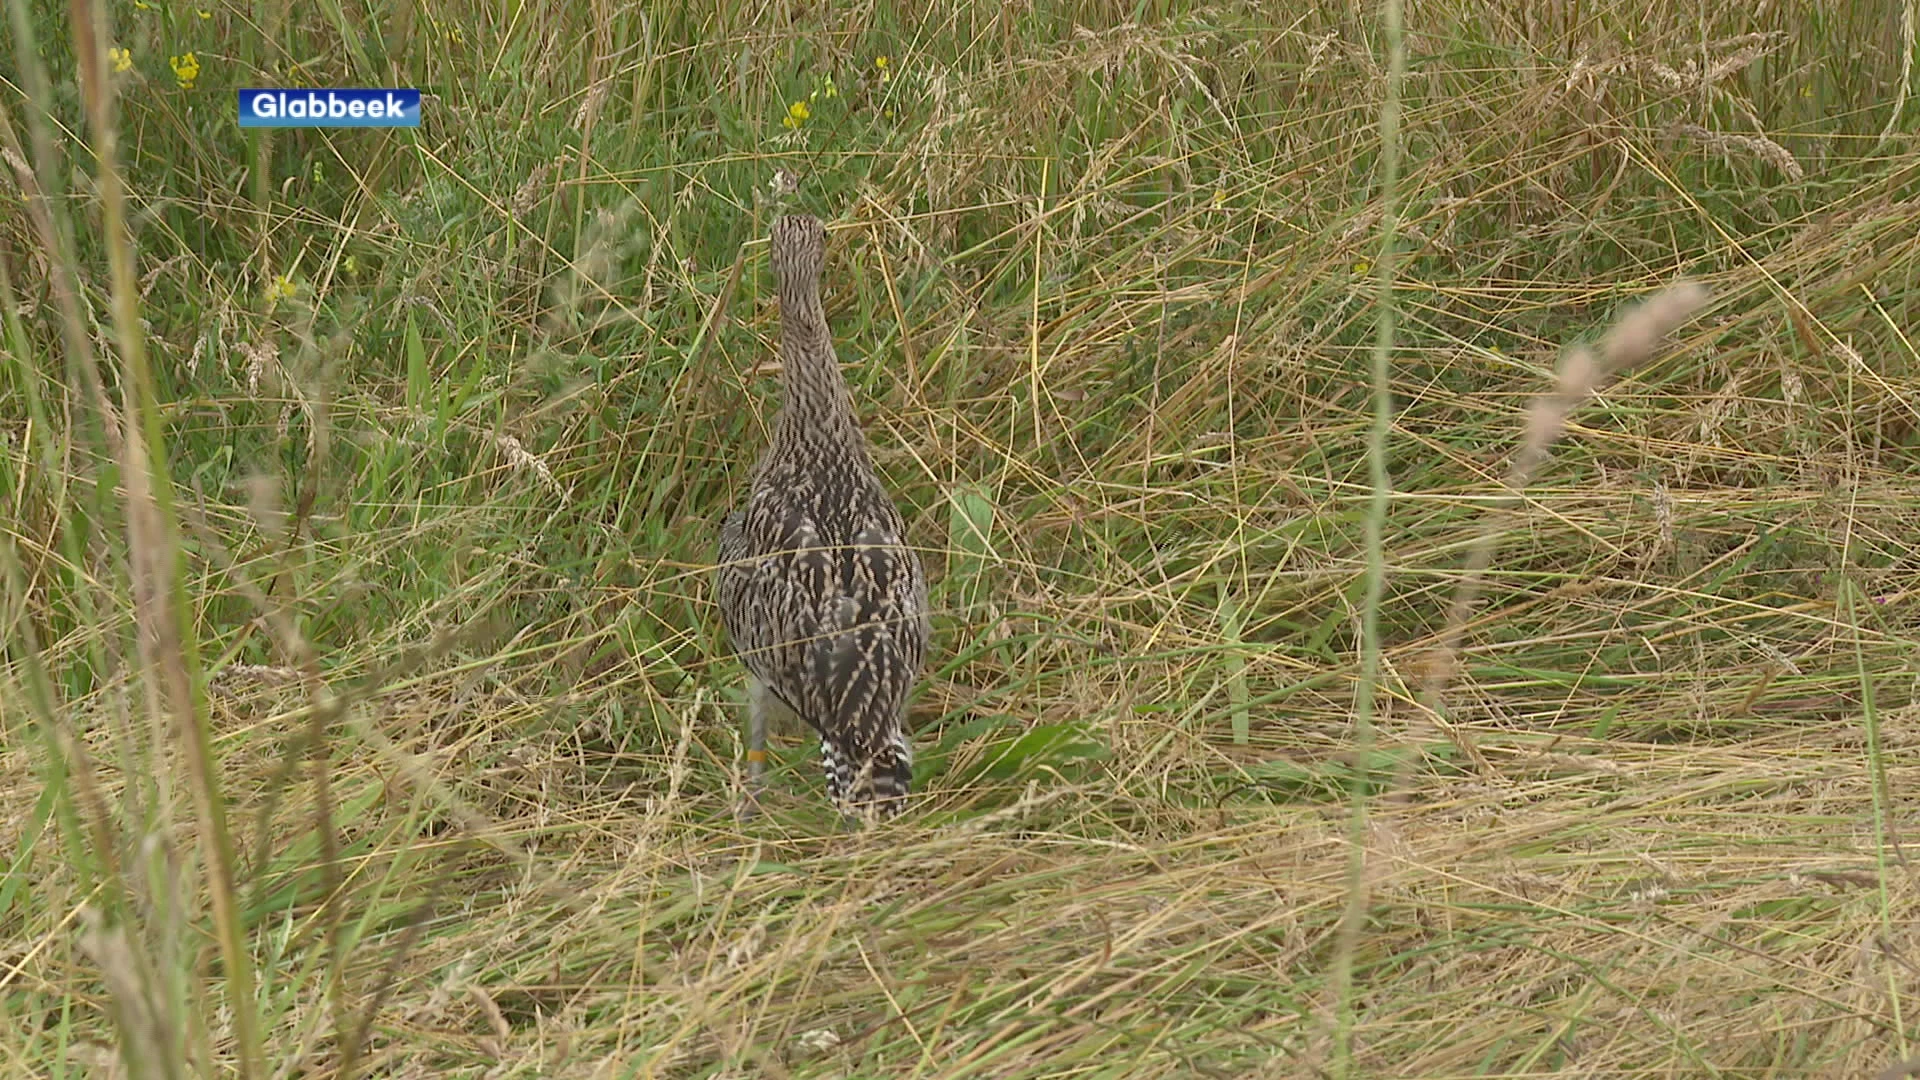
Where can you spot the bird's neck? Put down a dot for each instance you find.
(815, 400)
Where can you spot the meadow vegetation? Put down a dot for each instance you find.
(364, 711)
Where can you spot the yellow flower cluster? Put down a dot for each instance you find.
(186, 68)
(799, 112)
(280, 288)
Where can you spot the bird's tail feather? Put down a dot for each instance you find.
(881, 783)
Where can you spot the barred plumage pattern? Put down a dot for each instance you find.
(823, 600)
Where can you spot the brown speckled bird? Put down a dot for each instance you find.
(823, 600)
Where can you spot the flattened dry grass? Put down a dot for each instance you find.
(448, 423)
(1638, 908)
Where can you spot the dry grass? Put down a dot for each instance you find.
(425, 459)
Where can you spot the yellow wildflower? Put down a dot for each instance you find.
(1219, 197)
(142, 5)
(831, 90)
(203, 13)
(186, 68)
(884, 67)
(122, 59)
(797, 114)
(280, 288)
(1361, 266)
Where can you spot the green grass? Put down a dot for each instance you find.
(376, 720)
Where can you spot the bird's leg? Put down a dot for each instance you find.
(759, 704)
